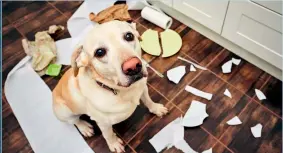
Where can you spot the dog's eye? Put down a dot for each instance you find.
(129, 36)
(100, 52)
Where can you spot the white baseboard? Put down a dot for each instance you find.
(265, 66)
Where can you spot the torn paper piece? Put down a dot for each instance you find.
(208, 151)
(196, 65)
(165, 137)
(236, 61)
(256, 130)
(234, 121)
(171, 135)
(259, 94)
(192, 68)
(227, 93)
(197, 92)
(195, 114)
(226, 67)
(176, 74)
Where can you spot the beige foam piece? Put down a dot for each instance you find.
(171, 42)
(150, 42)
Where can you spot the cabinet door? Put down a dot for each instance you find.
(209, 13)
(168, 2)
(256, 29)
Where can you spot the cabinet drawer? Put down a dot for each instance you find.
(209, 13)
(272, 5)
(256, 29)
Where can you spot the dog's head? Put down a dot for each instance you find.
(113, 51)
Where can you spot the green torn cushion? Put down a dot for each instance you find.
(53, 69)
(150, 42)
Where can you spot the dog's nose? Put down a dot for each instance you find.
(132, 66)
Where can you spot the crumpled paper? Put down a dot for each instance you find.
(116, 12)
(43, 50)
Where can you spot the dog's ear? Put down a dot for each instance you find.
(133, 25)
(79, 59)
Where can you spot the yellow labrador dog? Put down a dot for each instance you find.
(106, 82)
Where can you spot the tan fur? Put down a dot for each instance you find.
(78, 92)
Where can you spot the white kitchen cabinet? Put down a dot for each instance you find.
(255, 28)
(250, 29)
(209, 13)
(168, 2)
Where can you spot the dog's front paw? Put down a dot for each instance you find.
(85, 128)
(116, 145)
(158, 109)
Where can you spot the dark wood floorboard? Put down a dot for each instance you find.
(220, 108)
(238, 138)
(24, 19)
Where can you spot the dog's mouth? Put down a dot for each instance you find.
(133, 79)
(136, 77)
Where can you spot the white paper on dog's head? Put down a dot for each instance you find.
(227, 93)
(208, 151)
(256, 130)
(192, 68)
(234, 121)
(259, 94)
(79, 23)
(195, 114)
(176, 74)
(171, 135)
(199, 93)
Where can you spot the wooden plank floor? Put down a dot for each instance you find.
(24, 19)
